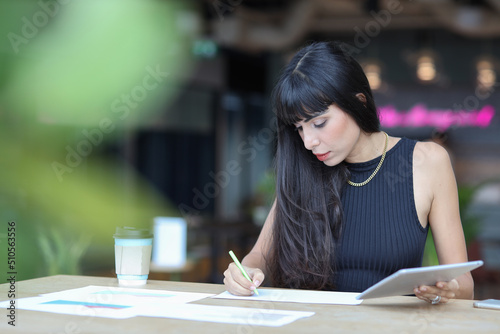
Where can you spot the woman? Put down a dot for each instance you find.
(353, 205)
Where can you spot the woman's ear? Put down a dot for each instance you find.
(362, 98)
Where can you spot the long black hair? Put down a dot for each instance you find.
(308, 213)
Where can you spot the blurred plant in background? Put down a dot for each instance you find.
(266, 189)
(264, 197)
(75, 77)
(62, 254)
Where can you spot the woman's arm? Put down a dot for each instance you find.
(445, 223)
(254, 263)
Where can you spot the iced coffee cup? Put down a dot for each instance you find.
(132, 255)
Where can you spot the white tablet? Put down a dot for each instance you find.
(403, 281)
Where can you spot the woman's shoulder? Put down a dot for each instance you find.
(431, 156)
(432, 172)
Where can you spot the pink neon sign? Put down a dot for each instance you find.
(420, 116)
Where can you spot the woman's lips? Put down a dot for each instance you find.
(322, 157)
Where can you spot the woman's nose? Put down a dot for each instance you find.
(310, 141)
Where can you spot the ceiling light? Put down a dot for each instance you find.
(486, 75)
(372, 72)
(426, 68)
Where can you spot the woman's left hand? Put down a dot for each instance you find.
(441, 293)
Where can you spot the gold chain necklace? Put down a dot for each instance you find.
(354, 184)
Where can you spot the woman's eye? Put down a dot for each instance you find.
(320, 125)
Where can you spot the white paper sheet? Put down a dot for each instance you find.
(121, 303)
(102, 301)
(127, 296)
(73, 307)
(226, 314)
(299, 296)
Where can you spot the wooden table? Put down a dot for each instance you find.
(381, 315)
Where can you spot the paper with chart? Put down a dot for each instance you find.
(102, 301)
(227, 314)
(73, 307)
(298, 296)
(128, 296)
(121, 303)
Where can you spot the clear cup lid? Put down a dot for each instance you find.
(132, 233)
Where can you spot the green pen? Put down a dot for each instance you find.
(238, 264)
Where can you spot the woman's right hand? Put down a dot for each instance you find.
(237, 284)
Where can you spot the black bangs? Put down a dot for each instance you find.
(296, 99)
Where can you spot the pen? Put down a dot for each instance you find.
(238, 264)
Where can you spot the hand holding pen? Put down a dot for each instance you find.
(242, 281)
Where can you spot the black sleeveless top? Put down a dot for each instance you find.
(381, 232)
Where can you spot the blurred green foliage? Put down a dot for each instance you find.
(62, 254)
(75, 78)
(266, 189)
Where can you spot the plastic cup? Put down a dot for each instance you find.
(132, 255)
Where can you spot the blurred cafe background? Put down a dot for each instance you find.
(118, 112)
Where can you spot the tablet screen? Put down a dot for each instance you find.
(403, 281)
